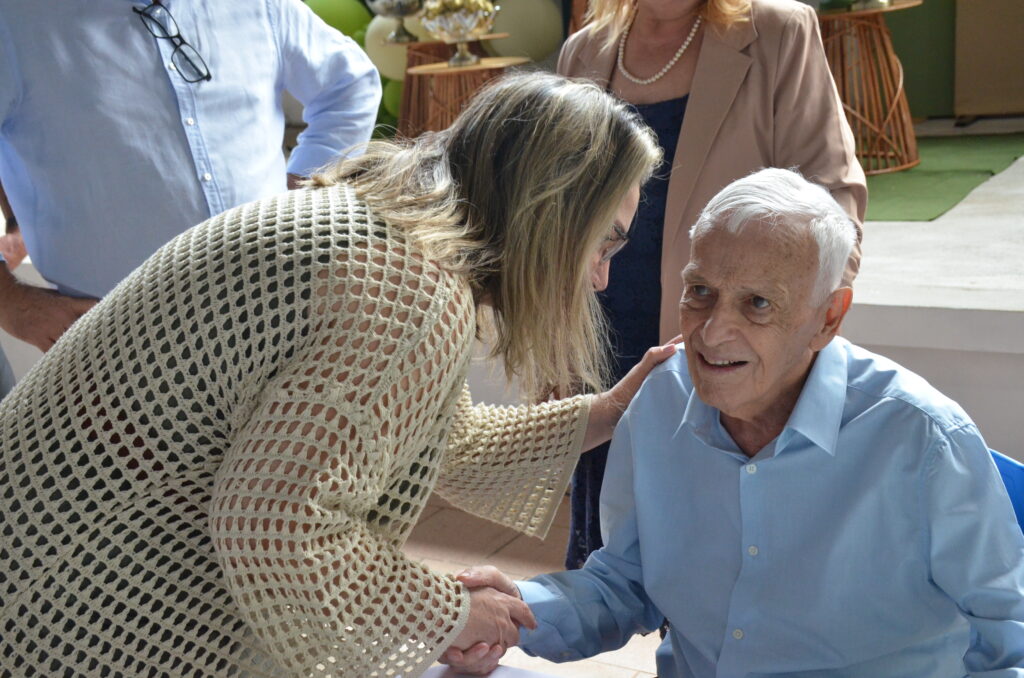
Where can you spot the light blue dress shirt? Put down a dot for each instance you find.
(106, 153)
(872, 539)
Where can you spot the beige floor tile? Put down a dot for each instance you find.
(428, 511)
(637, 654)
(452, 535)
(562, 517)
(438, 501)
(530, 556)
(441, 566)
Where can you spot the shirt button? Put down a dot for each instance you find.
(737, 634)
(207, 177)
(752, 550)
(751, 468)
(190, 121)
(172, 67)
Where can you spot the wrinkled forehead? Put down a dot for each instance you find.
(756, 254)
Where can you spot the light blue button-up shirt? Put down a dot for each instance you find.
(106, 152)
(872, 539)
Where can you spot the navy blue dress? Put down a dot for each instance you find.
(632, 304)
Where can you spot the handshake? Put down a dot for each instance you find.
(495, 614)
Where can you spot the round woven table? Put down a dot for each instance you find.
(869, 77)
(434, 93)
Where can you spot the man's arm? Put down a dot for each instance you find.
(977, 551)
(33, 314)
(332, 77)
(584, 612)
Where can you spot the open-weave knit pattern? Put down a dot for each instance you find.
(213, 473)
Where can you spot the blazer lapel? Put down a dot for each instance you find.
(595, 62)
(721, 68)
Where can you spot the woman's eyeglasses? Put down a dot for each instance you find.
(187, 61)
(614, 243)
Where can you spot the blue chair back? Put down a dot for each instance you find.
(1012, 472)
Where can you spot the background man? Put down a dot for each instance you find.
(793, 504)
(122, 124)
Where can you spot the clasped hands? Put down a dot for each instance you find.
(496, 612)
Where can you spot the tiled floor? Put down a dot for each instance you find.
(448, 540)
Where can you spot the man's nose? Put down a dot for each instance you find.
(720, 326)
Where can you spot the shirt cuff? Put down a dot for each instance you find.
(546, 640)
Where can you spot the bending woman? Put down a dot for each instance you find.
(214, 471)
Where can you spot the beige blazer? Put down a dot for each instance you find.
(762, 96)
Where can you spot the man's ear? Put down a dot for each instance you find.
(835, 310)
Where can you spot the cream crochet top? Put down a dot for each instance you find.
(213, 473)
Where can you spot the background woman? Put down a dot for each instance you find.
(728, 86)
(214, 471)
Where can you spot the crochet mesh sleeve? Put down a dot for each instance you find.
(512, 464)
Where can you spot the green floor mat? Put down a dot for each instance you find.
(951, 167)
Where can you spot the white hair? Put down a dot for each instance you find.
(782, 198)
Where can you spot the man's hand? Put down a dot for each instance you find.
(36, 315)
(495, 615)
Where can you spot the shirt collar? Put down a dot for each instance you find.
(699, 417)
(819, 409)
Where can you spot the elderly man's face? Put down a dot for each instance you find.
(747, 320)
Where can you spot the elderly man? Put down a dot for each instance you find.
(793, 504)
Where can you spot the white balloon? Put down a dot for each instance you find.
(414, 25)
(389, 58)
(534, 28)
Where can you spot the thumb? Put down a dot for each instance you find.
(660, 354)
(486, 575)
(520, 613)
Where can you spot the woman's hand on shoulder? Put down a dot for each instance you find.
(608, 407)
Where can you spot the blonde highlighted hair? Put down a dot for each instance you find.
(613, 15)
(518, 195)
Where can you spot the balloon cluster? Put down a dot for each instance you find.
(352, 18)
(534, 27)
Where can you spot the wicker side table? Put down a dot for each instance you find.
(434, 93)
(869, 77)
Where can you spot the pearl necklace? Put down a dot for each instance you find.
(679, 53)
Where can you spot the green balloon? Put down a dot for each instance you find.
(392, 98)
(386, 126)
(348, 16)
(360, 37)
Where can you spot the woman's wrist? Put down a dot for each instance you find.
(604, 415)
